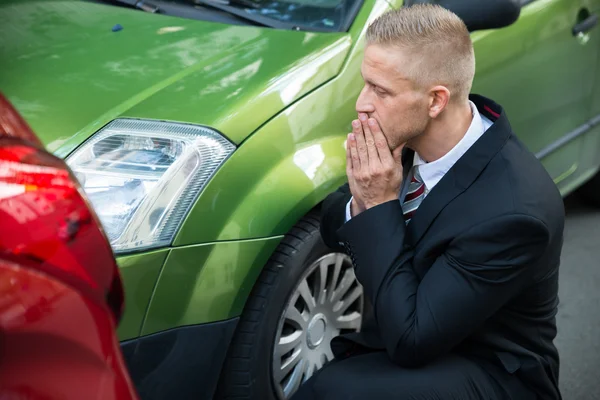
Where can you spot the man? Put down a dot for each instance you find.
(454, 228)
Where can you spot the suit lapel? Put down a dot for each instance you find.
(463, 173)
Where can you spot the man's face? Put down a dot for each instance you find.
(398, 105)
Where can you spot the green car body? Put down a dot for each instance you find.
(285, 99)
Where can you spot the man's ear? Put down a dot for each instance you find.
(439, 97)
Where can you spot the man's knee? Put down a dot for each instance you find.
(373, 376)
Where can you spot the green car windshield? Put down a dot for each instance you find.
(331, 15)
(307, 15)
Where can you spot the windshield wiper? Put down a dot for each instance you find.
(234, 7)
(239, 3)
(140, 4)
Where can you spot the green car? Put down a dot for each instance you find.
(206, 134)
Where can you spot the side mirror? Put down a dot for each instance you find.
(480, 14)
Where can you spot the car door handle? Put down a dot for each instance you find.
(585, 25)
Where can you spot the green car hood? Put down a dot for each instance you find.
(69, 73)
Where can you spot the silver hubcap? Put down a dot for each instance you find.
(328, 301)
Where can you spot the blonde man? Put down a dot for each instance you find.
(454, 228)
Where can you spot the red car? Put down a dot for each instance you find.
(60, 290)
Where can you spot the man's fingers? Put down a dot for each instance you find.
(369, 139)
(348, 155)
(381, 144)
(355, 159)
(361, 146)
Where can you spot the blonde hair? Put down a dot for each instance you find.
(438, 42)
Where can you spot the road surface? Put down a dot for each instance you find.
(578, 318)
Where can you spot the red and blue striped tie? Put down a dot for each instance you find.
(414, 197)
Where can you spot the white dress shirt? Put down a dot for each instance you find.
(431, 173)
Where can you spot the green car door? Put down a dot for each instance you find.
(590, 156)
(547, 76)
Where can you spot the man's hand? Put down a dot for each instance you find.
(374, 171)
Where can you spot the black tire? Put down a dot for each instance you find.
(246, 373)
(590, 191)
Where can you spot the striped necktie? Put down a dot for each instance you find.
(414, 196)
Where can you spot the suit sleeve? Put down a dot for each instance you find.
(479, 272)
(333, 215)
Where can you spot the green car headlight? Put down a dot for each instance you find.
(143, 176)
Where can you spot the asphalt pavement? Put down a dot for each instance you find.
(578, 317)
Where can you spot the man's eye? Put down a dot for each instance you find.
(380, 91)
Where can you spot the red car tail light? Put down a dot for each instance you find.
(47, 222)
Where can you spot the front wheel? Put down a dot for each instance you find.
(306, 295)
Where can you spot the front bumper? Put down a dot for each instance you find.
(181, 363)
(172, 345)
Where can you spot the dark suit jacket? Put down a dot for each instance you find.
(474, 272)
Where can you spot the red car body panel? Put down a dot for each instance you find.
(60, 289)
(56, 344)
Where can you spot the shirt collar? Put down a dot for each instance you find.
(431, 173)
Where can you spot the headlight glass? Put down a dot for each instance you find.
(143, 176)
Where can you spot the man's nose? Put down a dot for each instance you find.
(364, 103)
